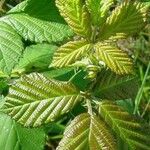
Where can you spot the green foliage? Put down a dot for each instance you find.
(70, 53)
(36, 56)
(116, 59)
(86, 67)
(76, 15)
(131, 129)
(126, 19)
(87, 132)
(20, 26)
(35, 100)
(99, 10)
(115, 87)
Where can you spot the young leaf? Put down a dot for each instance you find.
(87, 132)
(69, 53)
(11, 47)
(133, 131)
(98, 10)
(116, 59)
(115, 87)
(34, 100)
(76, 15)
(128, 18)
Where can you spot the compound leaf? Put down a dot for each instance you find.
(116, 59)
(34, 100)
(87, 132)
(128, 18)
(70, 53)
(131, 129)
(98, 10)
(76, 15)
(115, 87)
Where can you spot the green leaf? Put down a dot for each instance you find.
(99, 10)
(87, 132)
(29, 28)
(41, 9)
(15, 137)
(34, 100)
(11, 47)
(31, 139)
(37, 30)
(115, 87)
(131, 129)
(128, 18)
(8, 134)
(76, 15)
(70, 53)
(116, 59)
(38, 56)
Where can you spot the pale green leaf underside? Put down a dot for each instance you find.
(115, 87)
(135, 133)
(88, 133)
(8, 134)
(76, 15)
(128, 18)
(70, 53)
(116, 59)
(34, 100)
(99, 10)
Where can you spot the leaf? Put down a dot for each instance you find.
(15, 137)
(98, 10)
(69, 53)
(29, 28)
(34, 100)
(116, 59)
(31, 139)
(87, 132)
(38, 56)
(41, 9)
(131, 129)
(37, 30)
(8, 134)
(128, 18)
(76, 15)
(115, 87)
(11, 47)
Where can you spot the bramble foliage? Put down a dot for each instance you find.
(65, 56)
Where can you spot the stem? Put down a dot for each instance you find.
(57, 137)
(93, 37)
(140, 92)
(146, 108)
(89, 107)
